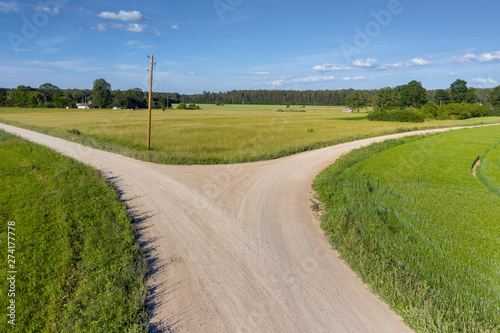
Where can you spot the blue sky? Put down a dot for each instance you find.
(219, 45)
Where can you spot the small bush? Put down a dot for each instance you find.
(191, 106)
(75, 132)
(463, 111)
(430, 110)
(409, 115)
(494, 113)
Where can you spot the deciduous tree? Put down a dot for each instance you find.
(358, 99)
(386, 98)
(442, 97)
(494, 97)
(3, 97)
(461, 94)
(412, 95)
(101, 93)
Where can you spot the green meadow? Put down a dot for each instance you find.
(411, 218)
(79, 267)
(214, 134)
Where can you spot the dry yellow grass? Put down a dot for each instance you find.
(227, 134)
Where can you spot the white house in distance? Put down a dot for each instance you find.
(84, 106)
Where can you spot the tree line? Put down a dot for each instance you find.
(415, 95)
(102, 96)
(412, 102)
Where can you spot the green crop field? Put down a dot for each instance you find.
(420, 228)
(72, 244)
(213, 135)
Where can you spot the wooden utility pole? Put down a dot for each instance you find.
(150, 100)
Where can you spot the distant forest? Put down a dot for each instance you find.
(51, 96)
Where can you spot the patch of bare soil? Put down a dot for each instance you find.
(474, 168)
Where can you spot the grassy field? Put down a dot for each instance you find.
(420, 229)
(213, 135)
(79, 268)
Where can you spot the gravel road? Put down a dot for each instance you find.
(237, 248)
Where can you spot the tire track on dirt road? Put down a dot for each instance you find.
(237, 248)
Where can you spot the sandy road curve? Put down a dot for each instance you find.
(236, 248)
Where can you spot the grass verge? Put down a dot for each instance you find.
(419, 229)
(79, 266)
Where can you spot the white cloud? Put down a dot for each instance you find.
(49, 10)
(310, 79)
(488, 57)
(368, 63)
(484, 57)
(256, 77)
(316, 79)
(484, 81)
(356, 78)
(329, 68)
(468, 57)
(132, 27)
(175, 27)
(397, 65)
(420, 62)
(8, 7)
(260, 73)
(306, 79)
(123, 16)
(101, 27)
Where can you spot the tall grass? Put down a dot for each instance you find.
(213, 135)
(79, 266)
(411, 219)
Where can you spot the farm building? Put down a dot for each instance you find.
(84, 106)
